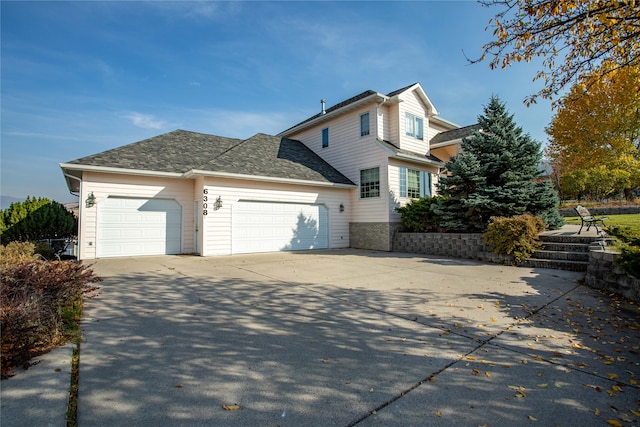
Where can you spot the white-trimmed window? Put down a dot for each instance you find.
(325, 137)
(370, 183)
(364, 124)
(413, 126)
(414, 183)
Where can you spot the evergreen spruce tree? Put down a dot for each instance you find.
(496, 174)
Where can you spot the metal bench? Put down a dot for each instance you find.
(589, 219)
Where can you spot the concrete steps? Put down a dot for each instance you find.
(563, 252)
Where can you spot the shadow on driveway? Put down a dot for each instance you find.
(351, 338)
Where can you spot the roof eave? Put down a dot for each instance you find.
(197, 172)
(446, 143)
(445, 122)
(376, 97)
(424, 161)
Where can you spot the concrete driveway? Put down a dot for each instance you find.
(350, 337)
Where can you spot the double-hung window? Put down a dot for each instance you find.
(364, 124)
(414, 183)
(325, 137)
(413, 126)
(370, 183)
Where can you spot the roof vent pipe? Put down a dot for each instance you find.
(323, 102)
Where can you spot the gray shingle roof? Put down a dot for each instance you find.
(399, 91)
(454, 134)
(182, 151)
(272, 156)
(178, 151)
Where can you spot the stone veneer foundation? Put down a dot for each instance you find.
(373, 235)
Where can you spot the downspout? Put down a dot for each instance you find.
(73, 177)
(77, 248)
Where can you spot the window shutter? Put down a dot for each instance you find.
(423, 183)
(403, 182)
(427, 185)
(325, 137)
(419, 128)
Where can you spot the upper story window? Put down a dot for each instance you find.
(370, 183)
(413, 126)
(364, 124)
(414, 183)
(325, 137)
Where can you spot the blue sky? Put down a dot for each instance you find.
(83, 77)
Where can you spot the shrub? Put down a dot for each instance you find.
(37, 299)
(417, 215)
(516, 236)
(629, 259)
(36, 219)
(16, 253)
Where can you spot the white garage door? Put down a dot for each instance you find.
(132, 227)
(270, 227)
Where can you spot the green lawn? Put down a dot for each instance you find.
(630, 221)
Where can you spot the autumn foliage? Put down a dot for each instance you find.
(38, 300)
(594, 137)
(576, 38)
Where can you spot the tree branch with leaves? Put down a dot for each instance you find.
(580, 40)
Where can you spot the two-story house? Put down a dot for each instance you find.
(331, 181)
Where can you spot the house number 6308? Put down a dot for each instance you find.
(205, 199)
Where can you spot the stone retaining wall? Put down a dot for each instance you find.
(619, 210)
(603, 273)
(457, 245)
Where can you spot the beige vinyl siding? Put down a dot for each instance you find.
(104, 185)
(413, 105)
(349, 153)
(387, 125)
(217, 224)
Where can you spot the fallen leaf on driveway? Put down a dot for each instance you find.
(230, 407)
(614, 423)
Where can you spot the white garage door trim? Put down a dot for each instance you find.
(135, 226)
(276, 226)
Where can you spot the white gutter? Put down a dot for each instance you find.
(106, 169)
(195, 172)
(445, 122)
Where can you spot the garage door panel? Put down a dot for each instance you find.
(269, 227)
(131, 227)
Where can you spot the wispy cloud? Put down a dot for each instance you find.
(234, 123)
(145, 121)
